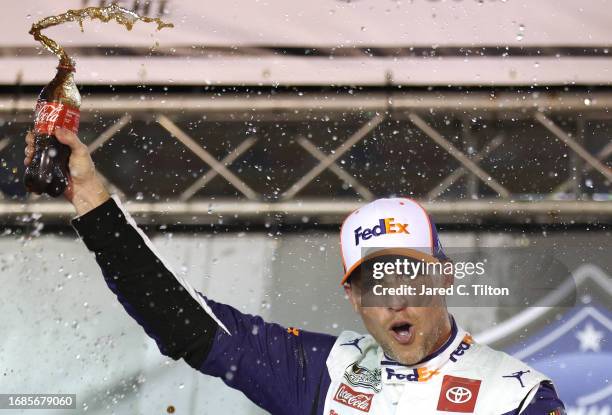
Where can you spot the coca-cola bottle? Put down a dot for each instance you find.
(57, 106)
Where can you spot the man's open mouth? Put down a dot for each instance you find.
(402, 332)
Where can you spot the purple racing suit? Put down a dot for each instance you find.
(284, 371)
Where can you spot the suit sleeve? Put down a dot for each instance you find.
(283, 370)
(275, 367)
(544, 402)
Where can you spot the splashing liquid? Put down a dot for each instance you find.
(122, 16)
(58, 103)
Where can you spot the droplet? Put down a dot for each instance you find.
(520, 35)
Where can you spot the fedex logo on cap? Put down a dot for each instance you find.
(385, 226)
(406, 224)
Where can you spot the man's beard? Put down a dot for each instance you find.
(390, 353)
(421, 353)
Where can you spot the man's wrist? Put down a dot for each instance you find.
(90, 197)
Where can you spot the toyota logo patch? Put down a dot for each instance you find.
(458, 394)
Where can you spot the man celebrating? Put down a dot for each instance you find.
(415, 360)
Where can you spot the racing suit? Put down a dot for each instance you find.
(288, 371)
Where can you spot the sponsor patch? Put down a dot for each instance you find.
(355, 343)
(518, 376)
(458, 394)
(421, 374)
(351, 398)
(465, 344)
(293, 330)
(359, 376)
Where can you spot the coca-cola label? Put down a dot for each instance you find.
(55, 114)
(350, 397)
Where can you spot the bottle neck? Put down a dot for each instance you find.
(66, 70)
(64, 74)
(66, 63)
(62, 88)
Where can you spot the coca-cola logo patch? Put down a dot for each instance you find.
(458, 394)
(350, 397)
(55, 114)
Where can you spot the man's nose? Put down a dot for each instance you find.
(397, 304)
(397, 309)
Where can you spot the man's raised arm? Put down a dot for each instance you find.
(169, 309)
(282, 371)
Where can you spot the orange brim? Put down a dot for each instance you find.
(406, 252)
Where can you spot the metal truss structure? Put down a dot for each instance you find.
(312, 157)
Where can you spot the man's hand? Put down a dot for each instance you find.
(85, 189)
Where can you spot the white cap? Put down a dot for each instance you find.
(396, 226)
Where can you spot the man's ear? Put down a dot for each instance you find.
(353, 296)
